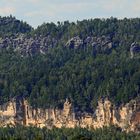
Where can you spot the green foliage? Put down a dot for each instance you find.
(79, 74)
(32, 133)
(125, 31)
(10, 25)
(48, 80)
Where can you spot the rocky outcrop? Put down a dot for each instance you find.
(100, 44)
(134, 49)
(75, 42)
(28, 45)
(16, 111)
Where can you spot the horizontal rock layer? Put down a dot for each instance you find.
(40, 44)
(16, 111)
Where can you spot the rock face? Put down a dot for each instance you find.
(28, 46)
(17, 111)
(75, 42)
(134, 49)
(100, 44)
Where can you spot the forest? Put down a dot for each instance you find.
(78, 74)
(33, 133)
(81, 75)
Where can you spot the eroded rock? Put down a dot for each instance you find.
(19, 111)
(28, 45)
(134, 49)
(100, 44)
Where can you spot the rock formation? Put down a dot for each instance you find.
(28, 46)
(75, 42)
(102, 43)
(16, 111)
(134, 49)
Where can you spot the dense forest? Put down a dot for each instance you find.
(32, 133)
(82, 75)
(10, 25)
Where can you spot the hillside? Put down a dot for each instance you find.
(82, 61)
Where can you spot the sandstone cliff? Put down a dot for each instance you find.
(28, 46)
(16, 111)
